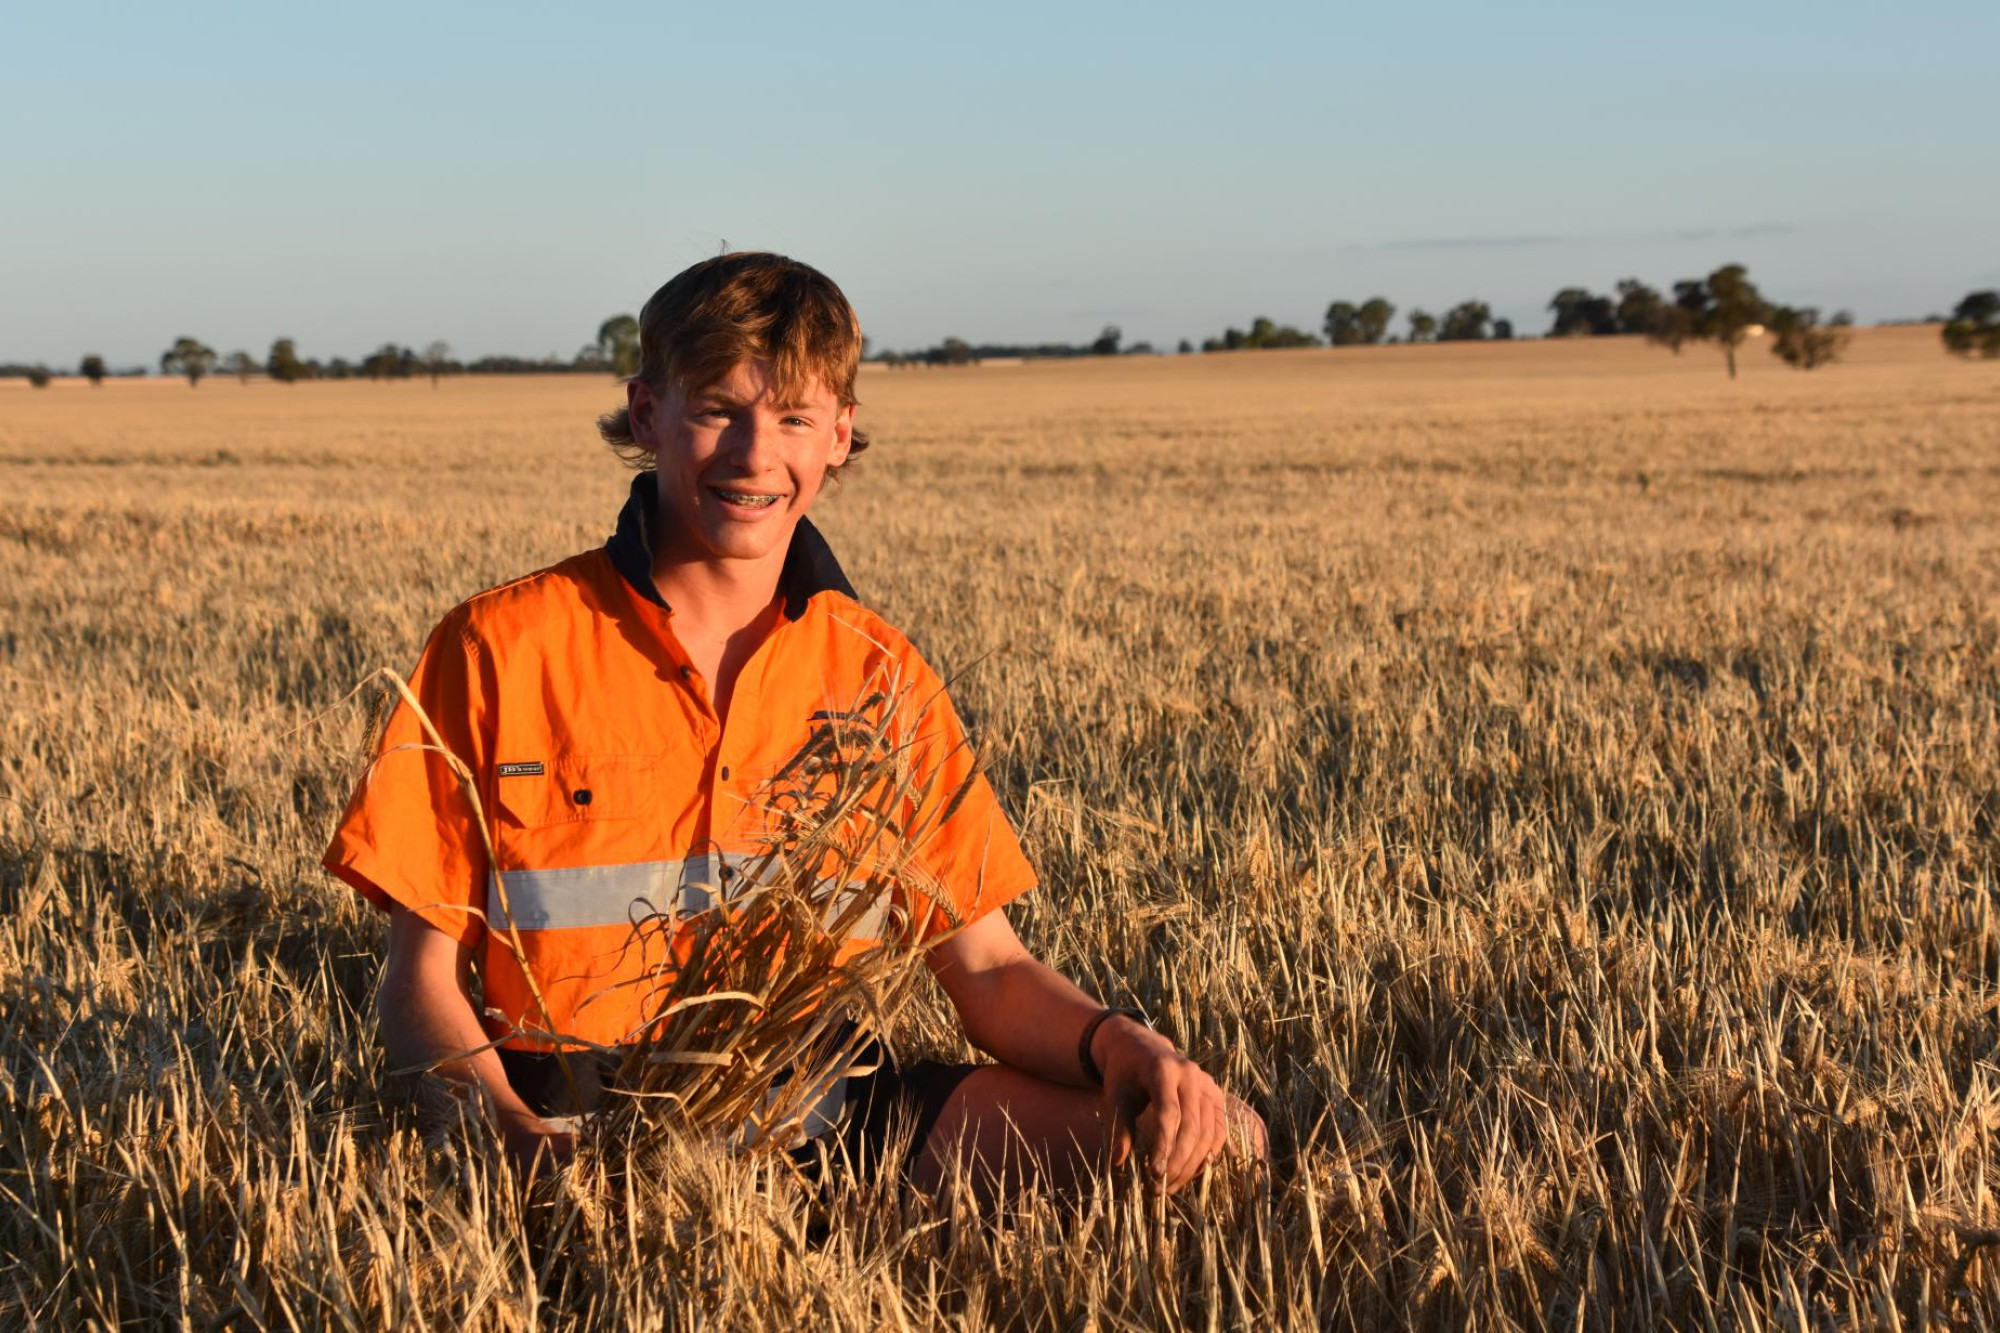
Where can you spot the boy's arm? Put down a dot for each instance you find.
(425, 1011)
(1026, 1014)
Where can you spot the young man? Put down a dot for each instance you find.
(618, 712)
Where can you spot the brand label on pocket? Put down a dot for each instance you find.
(531, 769)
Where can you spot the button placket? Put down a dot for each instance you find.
(747, 703)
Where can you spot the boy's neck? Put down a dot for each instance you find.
(717, 597)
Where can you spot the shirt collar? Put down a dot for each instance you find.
(810, 568)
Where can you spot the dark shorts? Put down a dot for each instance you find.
(877, 1103)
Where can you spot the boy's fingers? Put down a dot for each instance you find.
(1218, 1142)
(1189, 1142)
(1119, 1137)
(1161, 1142)
(1204, 1142)
(1135, 1114)
(1191, 1146)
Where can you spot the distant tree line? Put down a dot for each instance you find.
(1263, 333)
(955, 351)
(615, 351)
(1725, 308)
(91, 367)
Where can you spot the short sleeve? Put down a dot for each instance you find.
(410, 835)
(965, 845)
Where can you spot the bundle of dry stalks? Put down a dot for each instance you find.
(764, 1001)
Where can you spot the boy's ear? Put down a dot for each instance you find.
(640, 405)
(843, 436)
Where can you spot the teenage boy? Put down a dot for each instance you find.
(618, 712)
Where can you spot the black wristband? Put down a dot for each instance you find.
(1083, 1055)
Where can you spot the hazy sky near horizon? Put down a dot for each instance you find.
(504, 176)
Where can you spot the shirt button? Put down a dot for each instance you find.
(581, 796)
(687, 673)
(725, 772)
(728, 873)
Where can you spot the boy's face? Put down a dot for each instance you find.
(737, 468)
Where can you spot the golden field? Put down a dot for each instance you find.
(1556, 784)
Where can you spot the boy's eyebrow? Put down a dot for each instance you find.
(720, 399)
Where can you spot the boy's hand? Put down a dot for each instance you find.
(1180, 1116)
(530, 1140)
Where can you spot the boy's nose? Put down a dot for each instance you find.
(752, 443)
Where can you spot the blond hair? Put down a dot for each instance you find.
(750, 305)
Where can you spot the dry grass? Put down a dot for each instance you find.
(759, 1006)
(1556, 784)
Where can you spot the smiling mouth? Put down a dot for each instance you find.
(746, 499)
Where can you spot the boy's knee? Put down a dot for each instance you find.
(1247, 1132)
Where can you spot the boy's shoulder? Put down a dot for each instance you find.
(859, 627)
(539, 602)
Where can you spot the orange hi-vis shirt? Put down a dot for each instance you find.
(611, 790)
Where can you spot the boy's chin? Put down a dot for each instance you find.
(748, 542)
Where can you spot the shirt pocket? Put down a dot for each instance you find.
(581, 810)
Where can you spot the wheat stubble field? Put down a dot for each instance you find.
(1556, 784)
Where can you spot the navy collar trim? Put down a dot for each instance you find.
(810, 568)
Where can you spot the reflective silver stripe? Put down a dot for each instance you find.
(826, 1114)
(870, 924)
(822, 1116)
(584, 896)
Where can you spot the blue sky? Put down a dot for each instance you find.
(505, 175)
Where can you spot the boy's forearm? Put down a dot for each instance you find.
(1026, 1014)
(423, 1030)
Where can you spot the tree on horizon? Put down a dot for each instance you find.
(283, 364)
(1802, 342)
(1639, 307)
(1465, 322)
(1375, 314)
(1974, 327)
(1348, 324)
(190, 357)
(1342, 324)
(386, 362)
(618, 340)
(1735, 307)
(1581, 313)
